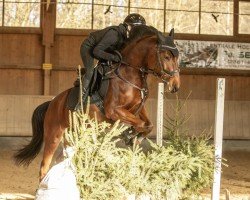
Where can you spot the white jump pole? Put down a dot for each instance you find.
(218, 136)
(160, 106)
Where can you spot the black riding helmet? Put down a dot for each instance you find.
(134, 19)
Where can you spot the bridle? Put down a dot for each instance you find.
(144, 72)
(163, 72)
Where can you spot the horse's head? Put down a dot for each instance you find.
(162, 60)
(149, 49)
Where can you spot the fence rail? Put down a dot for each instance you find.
(16, 112)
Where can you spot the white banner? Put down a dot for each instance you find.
(204, 54)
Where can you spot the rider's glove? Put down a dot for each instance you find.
(109, 63)
(116, 58)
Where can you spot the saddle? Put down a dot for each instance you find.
(98, 88)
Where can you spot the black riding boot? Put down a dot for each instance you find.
(85, 88)
(88, 62)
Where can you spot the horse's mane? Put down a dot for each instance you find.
(138, 32)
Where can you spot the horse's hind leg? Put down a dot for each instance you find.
(55, 121)
(52, 138)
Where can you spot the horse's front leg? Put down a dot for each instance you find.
(125, 116)
(148, 124)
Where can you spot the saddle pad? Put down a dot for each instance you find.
(73, 97)
(96, 98)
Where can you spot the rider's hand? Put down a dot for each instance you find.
(109, 63)
(116, 58)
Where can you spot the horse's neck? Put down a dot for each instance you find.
(133, 77)
(135, 54)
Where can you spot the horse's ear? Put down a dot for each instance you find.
(161, 37)
(171, 34)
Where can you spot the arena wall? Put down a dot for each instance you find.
(25, 82)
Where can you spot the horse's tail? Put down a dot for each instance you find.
(25, 155)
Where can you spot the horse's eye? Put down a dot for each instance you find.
(167, 58)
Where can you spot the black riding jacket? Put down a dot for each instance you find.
(104, 42)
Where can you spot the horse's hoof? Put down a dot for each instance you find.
(133, 141)
(138, 139)
(128, 141)
(128, 135)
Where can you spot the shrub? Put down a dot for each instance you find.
(177, 170)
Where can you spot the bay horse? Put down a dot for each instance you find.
(124, 101)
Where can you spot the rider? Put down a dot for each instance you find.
(101, 45)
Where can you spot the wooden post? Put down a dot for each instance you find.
(47, 67)
(218, 136)
(48, 27)
(160, 106)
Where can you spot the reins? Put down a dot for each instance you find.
(143, 90)
(144, 72)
